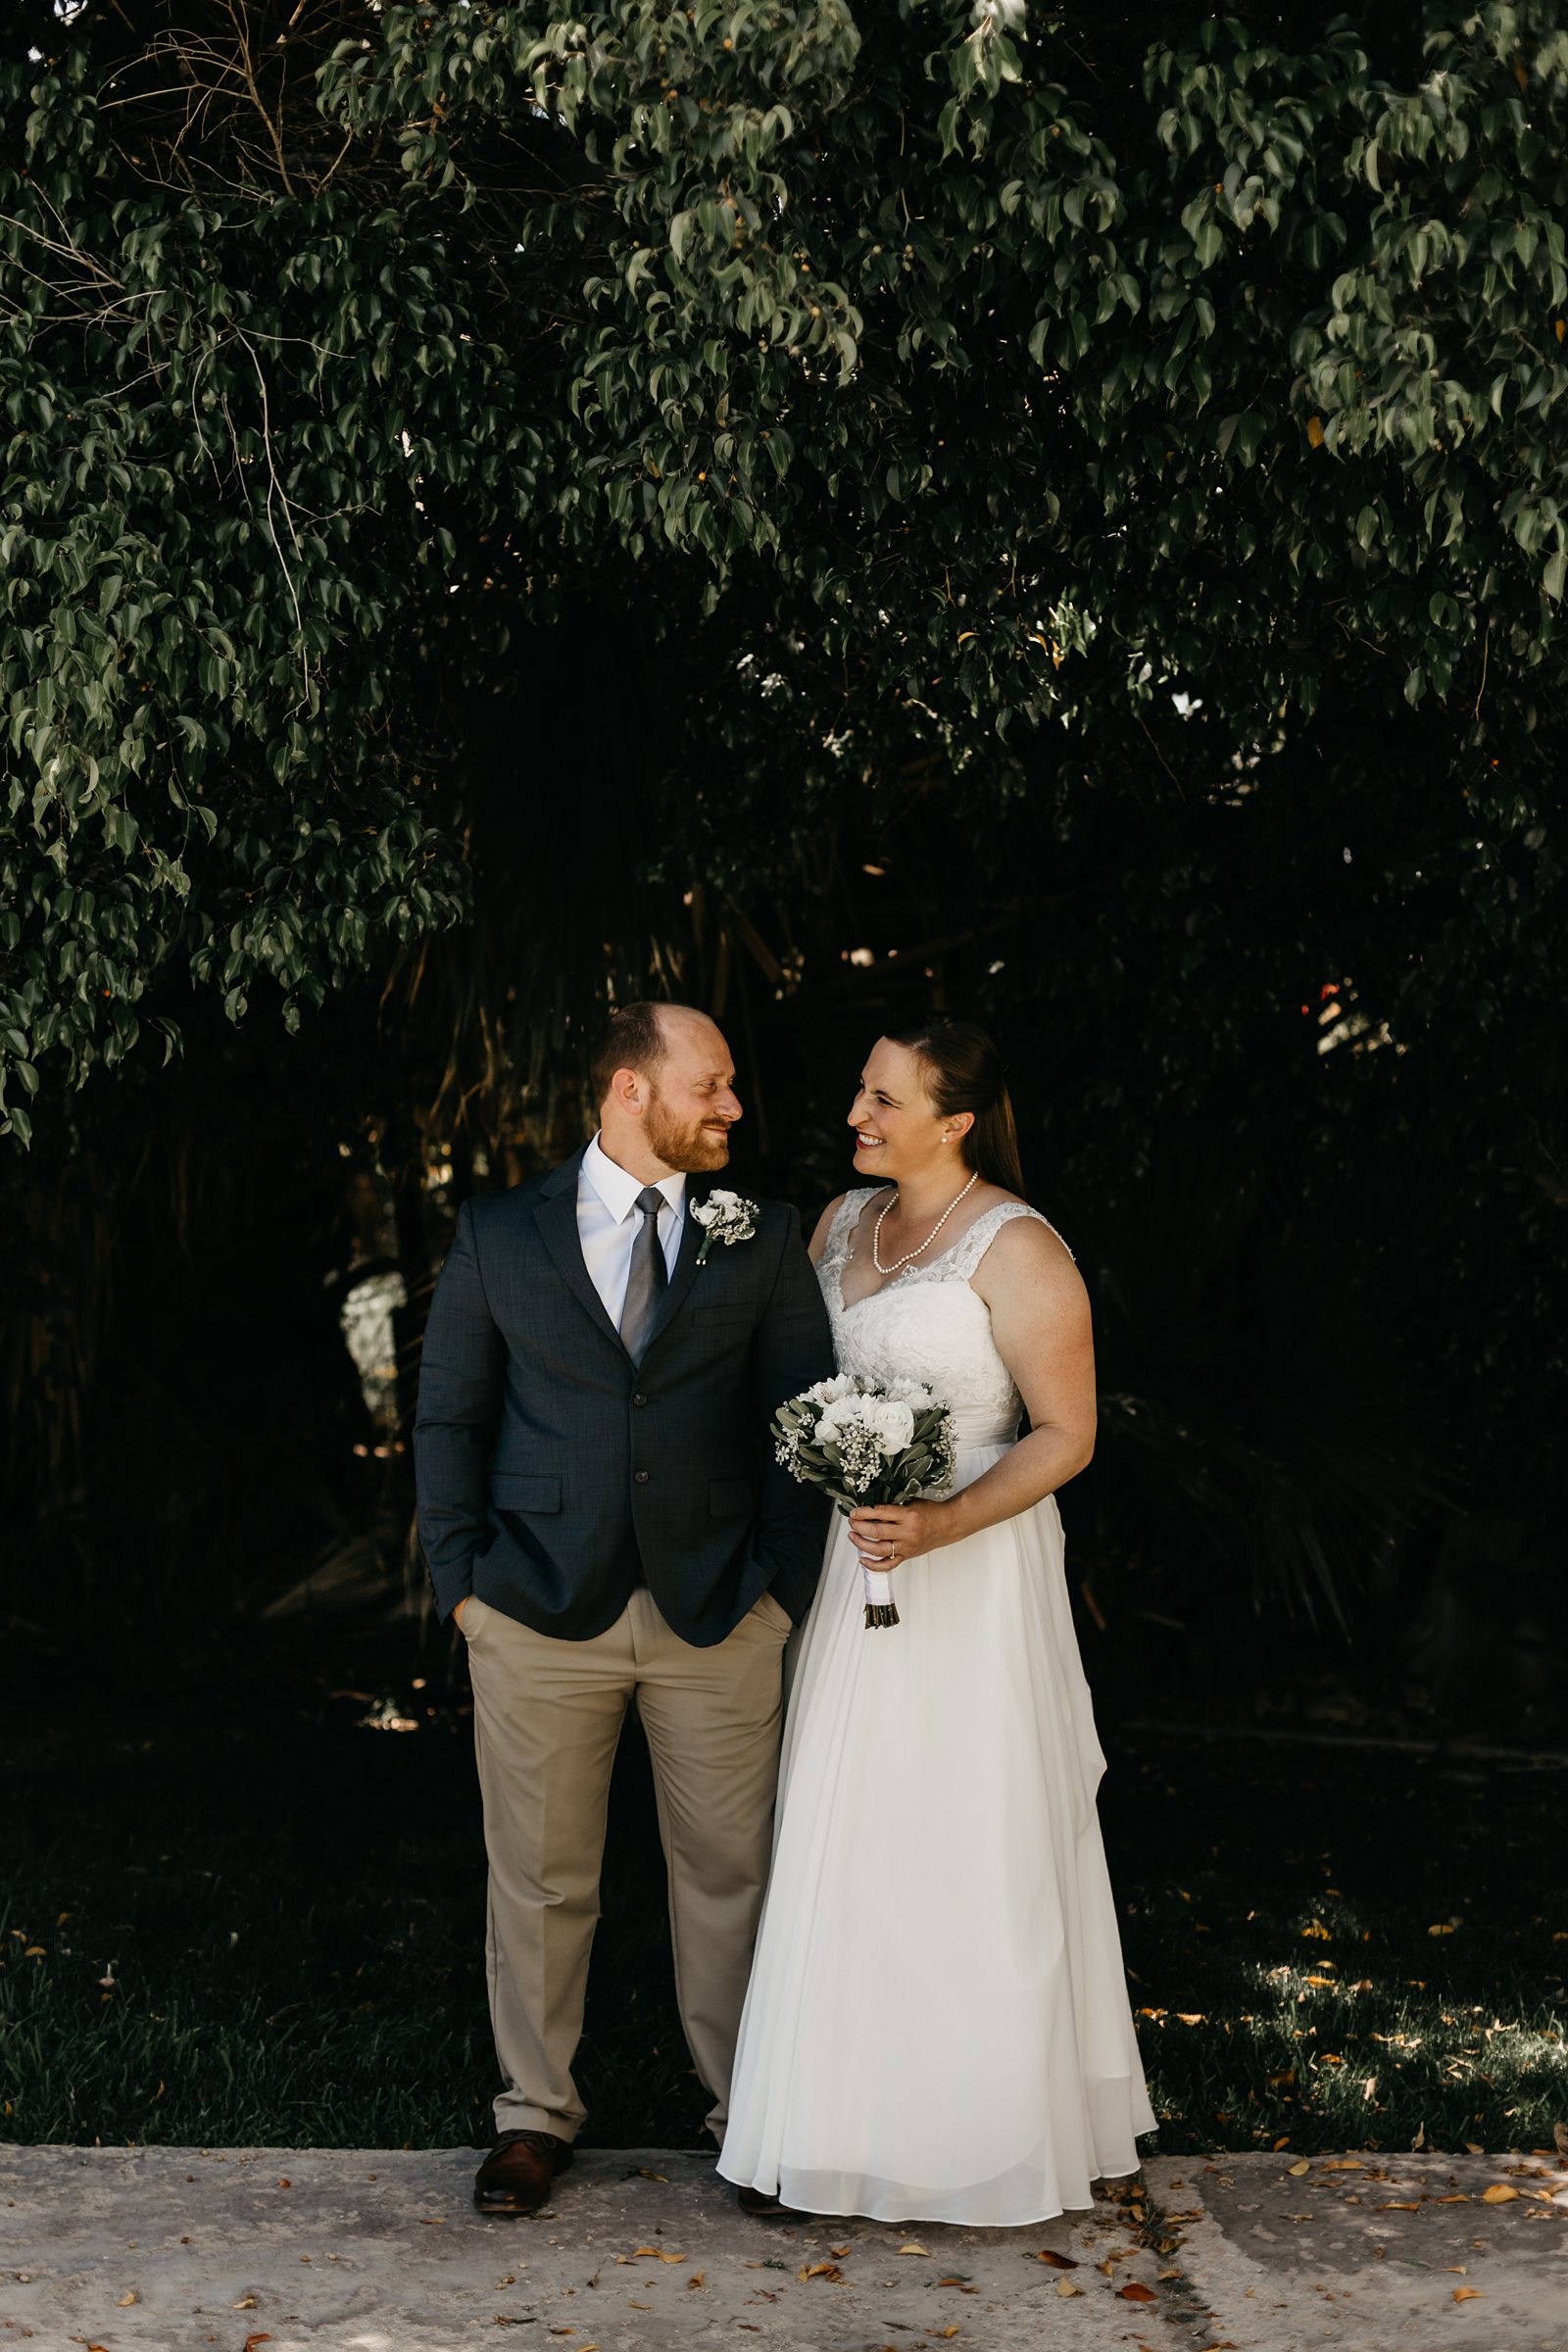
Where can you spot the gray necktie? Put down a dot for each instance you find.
(646, 1282)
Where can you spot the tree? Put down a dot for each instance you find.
(1066, 509)
(922, 395)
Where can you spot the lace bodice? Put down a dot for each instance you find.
(926, 1323)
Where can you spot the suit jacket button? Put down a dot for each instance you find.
(639, 1399)
(641, 1476)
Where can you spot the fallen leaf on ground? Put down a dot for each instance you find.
(1068, 2286)
(697, 2278)
(946, 2332)
(1397, 2207)
(1137, 2293)
(1299, 2168)
(820, 2270)
(251, 2341)
(1458, 2197)
(245, 2303)
(1057, 2261)
(643, 2173)
(631, 2306)
(838, 2250)
(1165, 2275)
(1474, 2147)
(125, 2301)
(914, 2250)
(1500, 2193)
(657, 2253)
(1466, 2294)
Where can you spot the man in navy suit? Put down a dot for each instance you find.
(603, 1520)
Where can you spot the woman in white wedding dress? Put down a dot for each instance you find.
(937, 2027)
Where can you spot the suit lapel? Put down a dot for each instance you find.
(556, 1212)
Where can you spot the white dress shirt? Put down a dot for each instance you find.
(609, 1221)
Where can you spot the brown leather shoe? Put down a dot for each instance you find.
(519, 2172)
(760, 2206)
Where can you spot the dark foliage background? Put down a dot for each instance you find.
(1058, 517)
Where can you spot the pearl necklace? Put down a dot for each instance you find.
(911, 1255)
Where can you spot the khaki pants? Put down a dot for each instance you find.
(547, 1717)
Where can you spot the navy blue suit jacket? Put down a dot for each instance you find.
(553, 1471)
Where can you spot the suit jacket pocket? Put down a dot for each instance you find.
(524, 1491)
(733, 1497)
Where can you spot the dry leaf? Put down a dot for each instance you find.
(697, 2278)
(1458, 2197)
(1475, 2148)
(1137, 2293)
(125, 2301)
(251, 2341)
(1397, 2208)
(821, 2270)
(631, 2306)
(946, 2332)
(836, 2250)
(643, 2173)
(1068, 2286)
(659, 2254)
(1300, 2166)
(913, 2250)
(1559, 2131)
(1466, 2294)
(245, 2303)
(1344, 2164)
(1501, 2193)
(1057, 2261)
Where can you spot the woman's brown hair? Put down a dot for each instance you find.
(963, 1071)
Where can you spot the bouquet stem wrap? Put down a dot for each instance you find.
(864, 1443)
(880, 1608)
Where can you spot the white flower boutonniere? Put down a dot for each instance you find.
(724, 1217)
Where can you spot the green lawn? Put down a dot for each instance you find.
(267, 1928)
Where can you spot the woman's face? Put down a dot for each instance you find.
(898, 1128)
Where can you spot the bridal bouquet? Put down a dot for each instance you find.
(866, 1442)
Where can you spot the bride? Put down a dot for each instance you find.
(937, 2027)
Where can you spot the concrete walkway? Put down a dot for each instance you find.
(121, 2248)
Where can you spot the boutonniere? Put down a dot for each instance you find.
(724, 1217)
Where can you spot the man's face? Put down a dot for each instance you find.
(692, 1102)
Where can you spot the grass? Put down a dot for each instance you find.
(267, 1927)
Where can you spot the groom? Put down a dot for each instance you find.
(603, 1520)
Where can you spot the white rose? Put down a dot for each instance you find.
(892, 1422)
(833, 1418)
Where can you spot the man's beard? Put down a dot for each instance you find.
(692, 1149)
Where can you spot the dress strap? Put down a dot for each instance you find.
(971, 1246)
(841, 1233)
